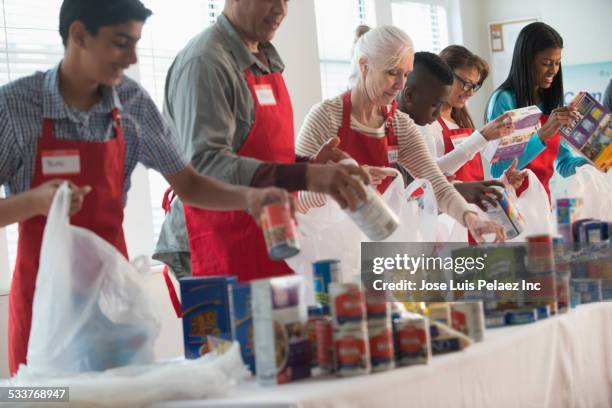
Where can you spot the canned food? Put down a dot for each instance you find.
(279, 231)
(495, 319)
(563, 292)
(377, 307)
(347, 303)
(325, 272)
(540, 254)
(315, 313)
(352, 351)
(325, 344)
(468, 318)
(382, 351)
(412, 341)
(521, 316)
(589, 289)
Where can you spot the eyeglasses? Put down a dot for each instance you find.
(467, 85)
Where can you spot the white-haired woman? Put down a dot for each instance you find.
(373, 132)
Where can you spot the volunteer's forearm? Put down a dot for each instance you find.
(205, 192)
(17, 208)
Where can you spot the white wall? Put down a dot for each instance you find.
(4, 373)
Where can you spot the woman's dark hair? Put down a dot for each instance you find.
(458, 57)
(98, 13)
(533, 39)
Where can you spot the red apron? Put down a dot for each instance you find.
(366, 150)
(470, 171)
(102, 167)
(543, 165)
(226, 243)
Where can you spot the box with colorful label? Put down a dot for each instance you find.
(526, 122)
(242, 321)
(282, 347)
(591, 135)
(206, 311)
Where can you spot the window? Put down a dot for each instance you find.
(156, 53)
(336, 23)
(426, 23)
(29, 42)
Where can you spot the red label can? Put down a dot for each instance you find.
(279, 231)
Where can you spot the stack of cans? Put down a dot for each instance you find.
(380, 331)
(325, 272)
(587, 290)
(541, 270)
(350, 330)
(562, 272)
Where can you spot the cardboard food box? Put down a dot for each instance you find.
(205, 305)
(526, 122)
(592, 134)
(282, 347)
(242, 321)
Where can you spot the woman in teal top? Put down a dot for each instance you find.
(536, 79)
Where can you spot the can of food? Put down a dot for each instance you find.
(563, 291)
(325, 272)
(540, 254)
(468, 318)
(521, 316)
(352, 351)
(279, 231)
(382, 351)
(315, 313)
(543, 312)
(541, 290)
(412, 342)
(378, 309)
(495, 319)
(347, 304)
(325, 344)
(506, 214)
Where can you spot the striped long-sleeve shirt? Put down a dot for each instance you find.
(325, 119)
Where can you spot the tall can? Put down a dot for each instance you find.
(412, 340)
(382, 350)
(325, 345)
(325, 272)
(373, 216)
(280, 232)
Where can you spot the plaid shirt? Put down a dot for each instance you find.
(25, 102)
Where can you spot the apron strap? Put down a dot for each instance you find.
(172, 292)
(391, 137)
(169, 196)
(346, 110)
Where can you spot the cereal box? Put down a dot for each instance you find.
(282, 347)
(205, 306)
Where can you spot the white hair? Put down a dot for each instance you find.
(383, 48)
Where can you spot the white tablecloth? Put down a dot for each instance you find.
(563, 361)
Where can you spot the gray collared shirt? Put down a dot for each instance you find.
(210, 104)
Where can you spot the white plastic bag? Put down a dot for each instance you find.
(534, 207)
(595, 190)
(327, 232)
(211, 376)
(90, 310)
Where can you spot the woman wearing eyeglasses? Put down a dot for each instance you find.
(535, 78)
(452, 138)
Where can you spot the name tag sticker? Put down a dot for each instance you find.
(60, 162)
(265, 95)
(393, 154)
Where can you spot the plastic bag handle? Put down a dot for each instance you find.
(176, 304)
(430, 204)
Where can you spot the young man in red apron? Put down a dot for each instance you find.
(426, 90)
(69, 124)
(245, 137)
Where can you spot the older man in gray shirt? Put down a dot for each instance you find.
(227, 99)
